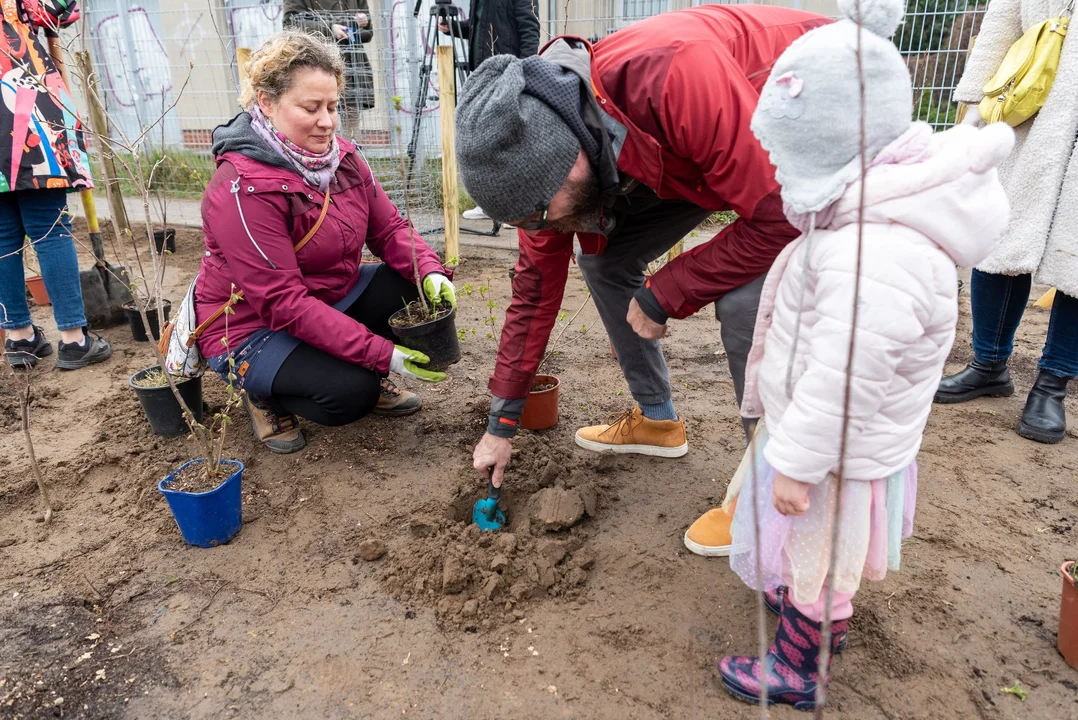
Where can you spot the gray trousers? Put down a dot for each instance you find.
(614, 277)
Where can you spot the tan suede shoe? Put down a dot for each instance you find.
(634, 433)
(710, 535)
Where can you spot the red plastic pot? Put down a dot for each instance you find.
(541, 407)
(36, 285)
(1068, 618)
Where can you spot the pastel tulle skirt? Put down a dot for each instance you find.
(796, 551)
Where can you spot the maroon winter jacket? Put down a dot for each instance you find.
(297, 294)
(685, 85)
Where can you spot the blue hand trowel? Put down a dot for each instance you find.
(486, 513)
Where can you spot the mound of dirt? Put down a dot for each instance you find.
(474, 578)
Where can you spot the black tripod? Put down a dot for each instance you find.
(441, 10)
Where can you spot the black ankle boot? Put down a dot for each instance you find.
(1044, 418)
(976, 380)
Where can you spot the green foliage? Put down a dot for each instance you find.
(723, 217)
(491, 320)
(181, 173)
(938, 112)
(928, 22)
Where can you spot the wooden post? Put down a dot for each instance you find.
(676, 250)
(99, 124)
(242, 56)
(447, 92)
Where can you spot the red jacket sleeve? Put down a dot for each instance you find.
(389, 236)
(538, 288)
(712, 131)
(278, 294)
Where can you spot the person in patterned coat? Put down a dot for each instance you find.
(42, 158)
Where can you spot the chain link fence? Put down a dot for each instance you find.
(178, 59)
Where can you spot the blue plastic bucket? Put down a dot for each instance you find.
(209, 518)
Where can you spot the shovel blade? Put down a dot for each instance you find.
(487, 515)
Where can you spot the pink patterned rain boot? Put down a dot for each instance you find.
(791, 664)
(774, 600)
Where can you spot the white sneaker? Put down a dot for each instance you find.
(475, 213)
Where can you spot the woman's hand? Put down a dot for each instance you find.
(437, 288)
(362, 20)
(407, 362)
(340, 32)
(790, 496)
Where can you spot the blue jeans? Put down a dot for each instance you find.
(42, 216)
(998, 304)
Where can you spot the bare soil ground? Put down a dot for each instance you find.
(106, 613)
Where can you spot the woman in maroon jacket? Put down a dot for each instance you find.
(311, 335)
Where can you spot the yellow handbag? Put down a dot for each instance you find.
(1022, 83)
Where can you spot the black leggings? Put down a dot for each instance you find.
(326, 390)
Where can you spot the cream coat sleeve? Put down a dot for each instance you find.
(1000, 28)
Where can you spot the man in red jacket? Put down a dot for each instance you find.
(628, 146)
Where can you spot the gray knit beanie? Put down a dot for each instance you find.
(513, 150)
(808, 116)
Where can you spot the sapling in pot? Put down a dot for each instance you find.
(205, 518)
(541, 407)
(429, 327)
(1068, 614)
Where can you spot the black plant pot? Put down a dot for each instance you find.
(159, 404)
(165, 240)
(134, 319)
(437, 339)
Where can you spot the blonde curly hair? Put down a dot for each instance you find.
(273, 65)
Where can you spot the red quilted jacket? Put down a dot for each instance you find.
(685, 86)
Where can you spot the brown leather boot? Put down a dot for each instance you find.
(279, 433)
(396, 402)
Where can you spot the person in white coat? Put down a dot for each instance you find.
(1041, 240)
(929, 202)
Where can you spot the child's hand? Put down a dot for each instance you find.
(790, 496)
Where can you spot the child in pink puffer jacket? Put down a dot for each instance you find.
(930, 201)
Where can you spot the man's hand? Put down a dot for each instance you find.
(492, 452)
(362, 20)
(340, 32)
(790, 496)
(443, 25)
(642, 325)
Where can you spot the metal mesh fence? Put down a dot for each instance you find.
(179, 58)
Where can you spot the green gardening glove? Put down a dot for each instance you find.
(408, 362)
(437, 288)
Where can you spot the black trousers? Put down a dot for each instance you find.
(326, 390)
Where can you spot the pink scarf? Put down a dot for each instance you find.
(316, 168)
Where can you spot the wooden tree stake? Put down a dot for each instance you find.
(450, 195)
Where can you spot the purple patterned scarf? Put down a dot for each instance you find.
(316, 168)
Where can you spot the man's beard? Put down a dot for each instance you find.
(586, 207)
